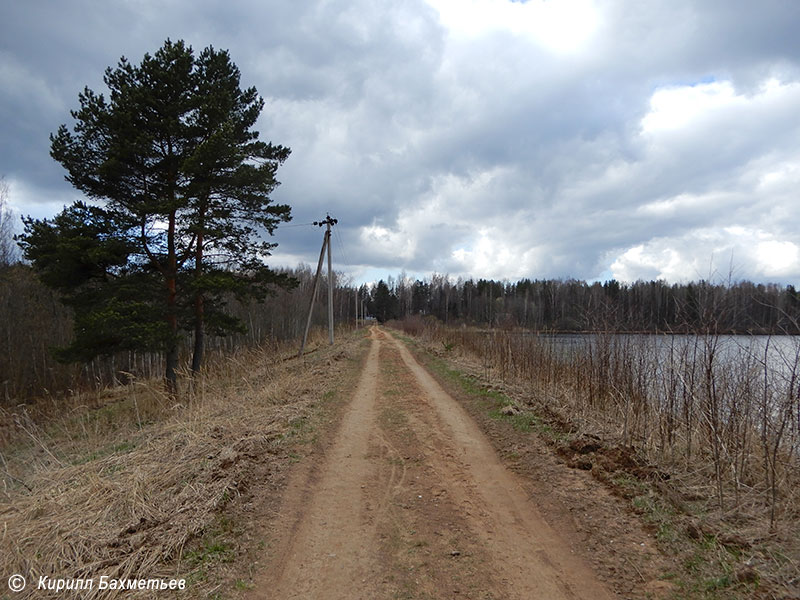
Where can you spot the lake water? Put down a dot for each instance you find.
(659, 352)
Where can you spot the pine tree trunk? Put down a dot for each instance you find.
(170, 375)
(199, 335)
(199, 324)
(199, 308)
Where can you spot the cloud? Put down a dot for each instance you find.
(561, 27)
(480, 137)
(718, 255)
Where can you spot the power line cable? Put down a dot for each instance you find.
(294, 225)
(342, 249)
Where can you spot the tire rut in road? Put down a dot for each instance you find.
(329, 554)
(531, 559)
(411, 501)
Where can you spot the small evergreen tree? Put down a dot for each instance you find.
(384, 302)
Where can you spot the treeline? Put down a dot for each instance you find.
(572, 305)
(34, 323)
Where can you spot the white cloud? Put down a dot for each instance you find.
(717, 105)
(493, 256)
(678, 107)
(562, 27)
(388, 243)
(778, 259)
(737, 252)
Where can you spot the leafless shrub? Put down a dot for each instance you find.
(697, 403)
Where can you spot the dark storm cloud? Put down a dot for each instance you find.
(666, 136)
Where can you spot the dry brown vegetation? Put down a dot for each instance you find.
(702, 436)
(34, 322)
(129, 483)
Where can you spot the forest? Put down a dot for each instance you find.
(573, 305)
(35, 323)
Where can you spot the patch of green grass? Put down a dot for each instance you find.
(523, 421)
(552, 433)
(215, 546)
(633, 486)
(660, 516)
(299, 424)
(124, 447)
(119, 414)
(467, 384)
(120, 448)
(210, 551)
(88, 458)
(225, 497)
(655, 511)
(301, 430)
(404, 338)
(707, 566)
(492, 399)
(241, 584)
(718, 583)
(198, 575)
(710, 578)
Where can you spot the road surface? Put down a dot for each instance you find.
(410, 500)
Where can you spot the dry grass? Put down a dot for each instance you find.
(123, 483)
(696, 457)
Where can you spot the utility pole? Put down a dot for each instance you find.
(326, 245)
(328, 222)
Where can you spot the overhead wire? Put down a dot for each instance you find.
(294, 225)
(344, 254)
(342, 249)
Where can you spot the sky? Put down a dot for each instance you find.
(587, 139)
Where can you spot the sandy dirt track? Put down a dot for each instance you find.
(411, 501)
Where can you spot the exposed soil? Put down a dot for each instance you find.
(410, 499)
(584, 507)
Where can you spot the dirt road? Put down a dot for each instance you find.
(411, 501)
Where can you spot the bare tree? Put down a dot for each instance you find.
(8, 249)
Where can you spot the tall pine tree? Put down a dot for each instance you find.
(183, 184)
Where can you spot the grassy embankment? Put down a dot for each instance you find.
(705, 450)
(131, 484)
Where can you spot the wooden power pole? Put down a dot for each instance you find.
(328, 222)
(326, 245)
